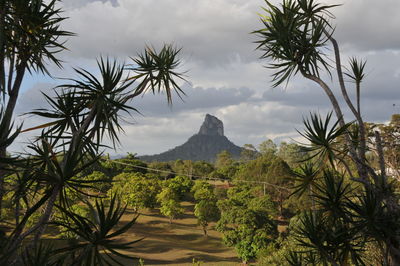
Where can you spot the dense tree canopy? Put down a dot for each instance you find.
(246, 221)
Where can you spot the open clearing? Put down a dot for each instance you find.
(177, 243)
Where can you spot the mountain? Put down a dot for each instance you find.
(203, 146)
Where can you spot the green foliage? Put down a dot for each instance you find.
(227, 172)
(280, 177)
(162, 169)
(196, 168)
(277, 253)
(181, 185)
(246, 221)
(226, 167)
(224, 159)
(201, 168)
(255, 170)
(205, 209)
(220, 193)
(291, 153)
(139, 191)
(170, 205)
(124, 165)
(267, 148)
(249, 152)
(101, 182)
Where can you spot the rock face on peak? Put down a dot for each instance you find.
(203, 146)
(212, 126)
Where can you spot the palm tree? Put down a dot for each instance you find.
(295, 38)
(83, 112)
(30, 38)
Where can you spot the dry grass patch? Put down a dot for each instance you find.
(177, 243)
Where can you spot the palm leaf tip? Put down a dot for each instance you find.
(157, 71)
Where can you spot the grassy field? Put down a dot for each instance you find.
(177, 243)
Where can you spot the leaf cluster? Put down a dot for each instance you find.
(294, 37)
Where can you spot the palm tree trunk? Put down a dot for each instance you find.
(361, 159)
(2, 45)
(6, 121)
(42, 225)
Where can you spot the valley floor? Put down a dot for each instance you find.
(178, 243)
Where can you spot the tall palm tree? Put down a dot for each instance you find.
(30, 38)
(83, 112)
(296, 38)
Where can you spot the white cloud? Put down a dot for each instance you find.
(227, 79)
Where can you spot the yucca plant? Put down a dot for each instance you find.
(298, 38)
(83, 113)
(306, 177)
(324, 139)
(329, 242)
(41, 255)
(98, 242)
(30, 38)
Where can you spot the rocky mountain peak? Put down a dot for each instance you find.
(203, 146)
(212, 126)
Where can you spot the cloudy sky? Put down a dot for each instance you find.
(225, 76)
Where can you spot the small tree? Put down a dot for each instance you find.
(280, 177)
(205, 209)
(291, 153)
(170, 205)
(249, 152)
(246, 221)
(181, 185)
(139, 191)
(267, 148)
(224, 159)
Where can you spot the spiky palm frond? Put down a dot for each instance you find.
(7, 134)
(332, 195)
(294, 37)
(157, 71)
(103, 98)
(332, 243)
(316, 11)
(41, 255)
(357, 67)
(371, 216)
(33, 32)
(66, 107)
(323, 139)
(306, 177)
(294, 259)
(97, 244)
